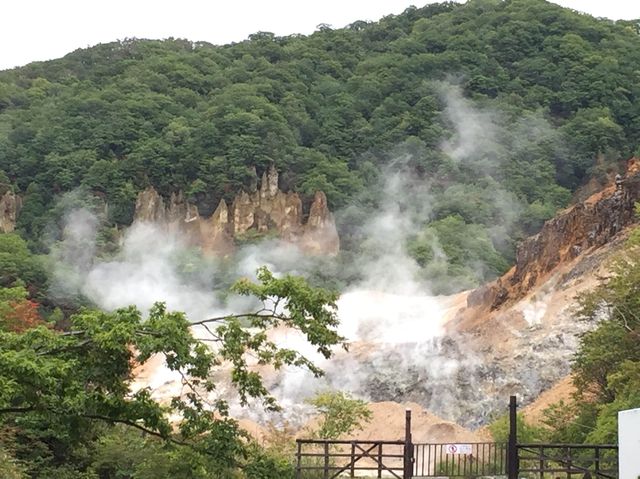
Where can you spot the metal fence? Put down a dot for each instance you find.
(463, 460)
(568, 460)
(329, 459)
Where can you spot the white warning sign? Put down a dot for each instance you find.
(458, 449)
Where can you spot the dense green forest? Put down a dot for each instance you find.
(505, 109)
(330, 110)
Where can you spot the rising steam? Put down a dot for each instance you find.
(389, 313)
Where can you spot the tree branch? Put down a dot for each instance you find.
(16, 410)
(112, 420)
(257, 314)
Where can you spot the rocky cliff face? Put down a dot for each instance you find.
(579, 229)
(264, 210)
(517, 335)
(9, 208)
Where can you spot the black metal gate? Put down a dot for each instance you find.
(597, 461)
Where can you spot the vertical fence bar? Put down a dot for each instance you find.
(464, 466)
(512, 449)
(453, 463)
(597, 464)
(408, 447)
(422, 467)
(326, 460)
(353, 458)
(299, 460)
(455, 458)
(426, 451)
(379, 460)
(456, 461)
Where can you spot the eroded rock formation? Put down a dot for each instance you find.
(263, 210)
(583, 227)
(10, 205)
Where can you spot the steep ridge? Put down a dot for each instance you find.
(520, 330)
(265, 210)
(577, 230)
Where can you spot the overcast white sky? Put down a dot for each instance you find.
(44, 29)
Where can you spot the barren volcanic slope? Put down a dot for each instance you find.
(460, 357)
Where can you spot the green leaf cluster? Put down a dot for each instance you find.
(63, 392)
(339, 414)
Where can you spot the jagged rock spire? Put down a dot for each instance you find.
(267, 209)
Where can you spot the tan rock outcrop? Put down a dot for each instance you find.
(10, 205)
(320, 233)
(263, 210)
(215, 232)
(585, 226)
(150, 206)
(269, 209)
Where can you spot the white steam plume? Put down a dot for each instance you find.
(389, 314)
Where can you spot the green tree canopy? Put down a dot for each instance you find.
(56, 385)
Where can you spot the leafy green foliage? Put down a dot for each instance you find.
(569, 421)
(269, 463)
(339, 414)
(452, 250)
(123, 454)
(17, 264)
(527, 433)
(9, 468)
(55, 386)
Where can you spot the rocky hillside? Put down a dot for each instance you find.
(516, 335)
(520, 329)
(572, 234)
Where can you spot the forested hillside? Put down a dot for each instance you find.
(555, 95)
(490, 115)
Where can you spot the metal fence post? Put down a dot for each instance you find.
(353, 459)
(298, 460)
(326, 460)
(512, 448)
(408, 447)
